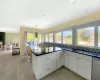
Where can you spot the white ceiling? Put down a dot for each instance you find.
(44, 13)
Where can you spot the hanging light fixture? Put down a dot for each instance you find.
(36, 33)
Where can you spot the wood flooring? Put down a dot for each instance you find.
(17, 68)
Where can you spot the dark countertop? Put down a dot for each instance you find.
(39, 52)
(96, 55)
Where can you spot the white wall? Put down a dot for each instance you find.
(11, 38)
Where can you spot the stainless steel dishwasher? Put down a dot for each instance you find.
(96, 69)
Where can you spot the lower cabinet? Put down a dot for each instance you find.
(73, 63)
(80, 64)
(84, 68)
(66, 59)
(60, 59)
(44, 64)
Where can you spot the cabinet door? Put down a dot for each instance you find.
(73, 63)
(60, 59)
(84, 68)
(51, 61)
(66, 64)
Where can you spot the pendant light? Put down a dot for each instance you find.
(36, 33)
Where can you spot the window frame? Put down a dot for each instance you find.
(77, 28)
(55, 35)
(70, 29)
(45, 37)
(74, 29)
(49, 37)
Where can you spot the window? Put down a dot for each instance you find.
(30, 40)
(46, 38)
(58, 40)
(58, 37)
(39, 38)
(67, 37)
(98, 36)
(50, 49)
(85, 36)
(51, 37)
(30, 37)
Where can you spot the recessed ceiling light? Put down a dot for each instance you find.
(44, 15)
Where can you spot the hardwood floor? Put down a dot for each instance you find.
(17, 68)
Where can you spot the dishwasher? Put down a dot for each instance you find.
(96, 69)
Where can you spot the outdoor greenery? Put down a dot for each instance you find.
(31, 37)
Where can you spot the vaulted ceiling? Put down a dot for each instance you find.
(42, 13)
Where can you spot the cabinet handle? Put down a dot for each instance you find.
(49, 69)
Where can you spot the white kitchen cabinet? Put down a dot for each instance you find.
(73, 63)
(60, 59)
(34, 63)
(84, 68)
(43, 65)
(78, 63)
(66, 59)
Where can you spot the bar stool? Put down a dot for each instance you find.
(28, 53)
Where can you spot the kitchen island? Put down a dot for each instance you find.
(44, 63)
(78, 61)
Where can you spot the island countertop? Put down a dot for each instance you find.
(42, 51)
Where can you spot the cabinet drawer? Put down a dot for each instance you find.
(51, 56)
(85, 57)
(44, 59)
(41, 72)
(46, 69)
(41, 60)
(50, 67)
